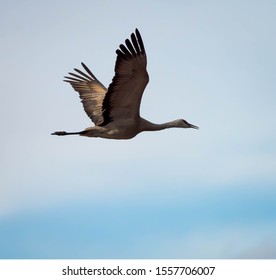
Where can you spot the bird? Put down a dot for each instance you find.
(115, 111)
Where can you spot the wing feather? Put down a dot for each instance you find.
(83, 74)
(91, 91)
(124, 94)
(130, 47)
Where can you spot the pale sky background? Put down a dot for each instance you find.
(172, 194)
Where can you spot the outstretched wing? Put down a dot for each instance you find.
(92, 93)
(124, 94)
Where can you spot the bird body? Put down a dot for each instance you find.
(125, 129)
(116, 111)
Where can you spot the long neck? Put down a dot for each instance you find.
(149, 126)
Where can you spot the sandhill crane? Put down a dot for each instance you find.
(115, 111)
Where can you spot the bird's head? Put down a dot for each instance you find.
(185, 124)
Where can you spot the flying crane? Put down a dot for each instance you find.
(115, 110)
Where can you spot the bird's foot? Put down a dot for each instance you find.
(59, 133)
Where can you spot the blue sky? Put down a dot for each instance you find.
(172, 194)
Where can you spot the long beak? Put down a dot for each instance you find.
(193, 126)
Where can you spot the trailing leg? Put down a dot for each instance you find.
(63, 133)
